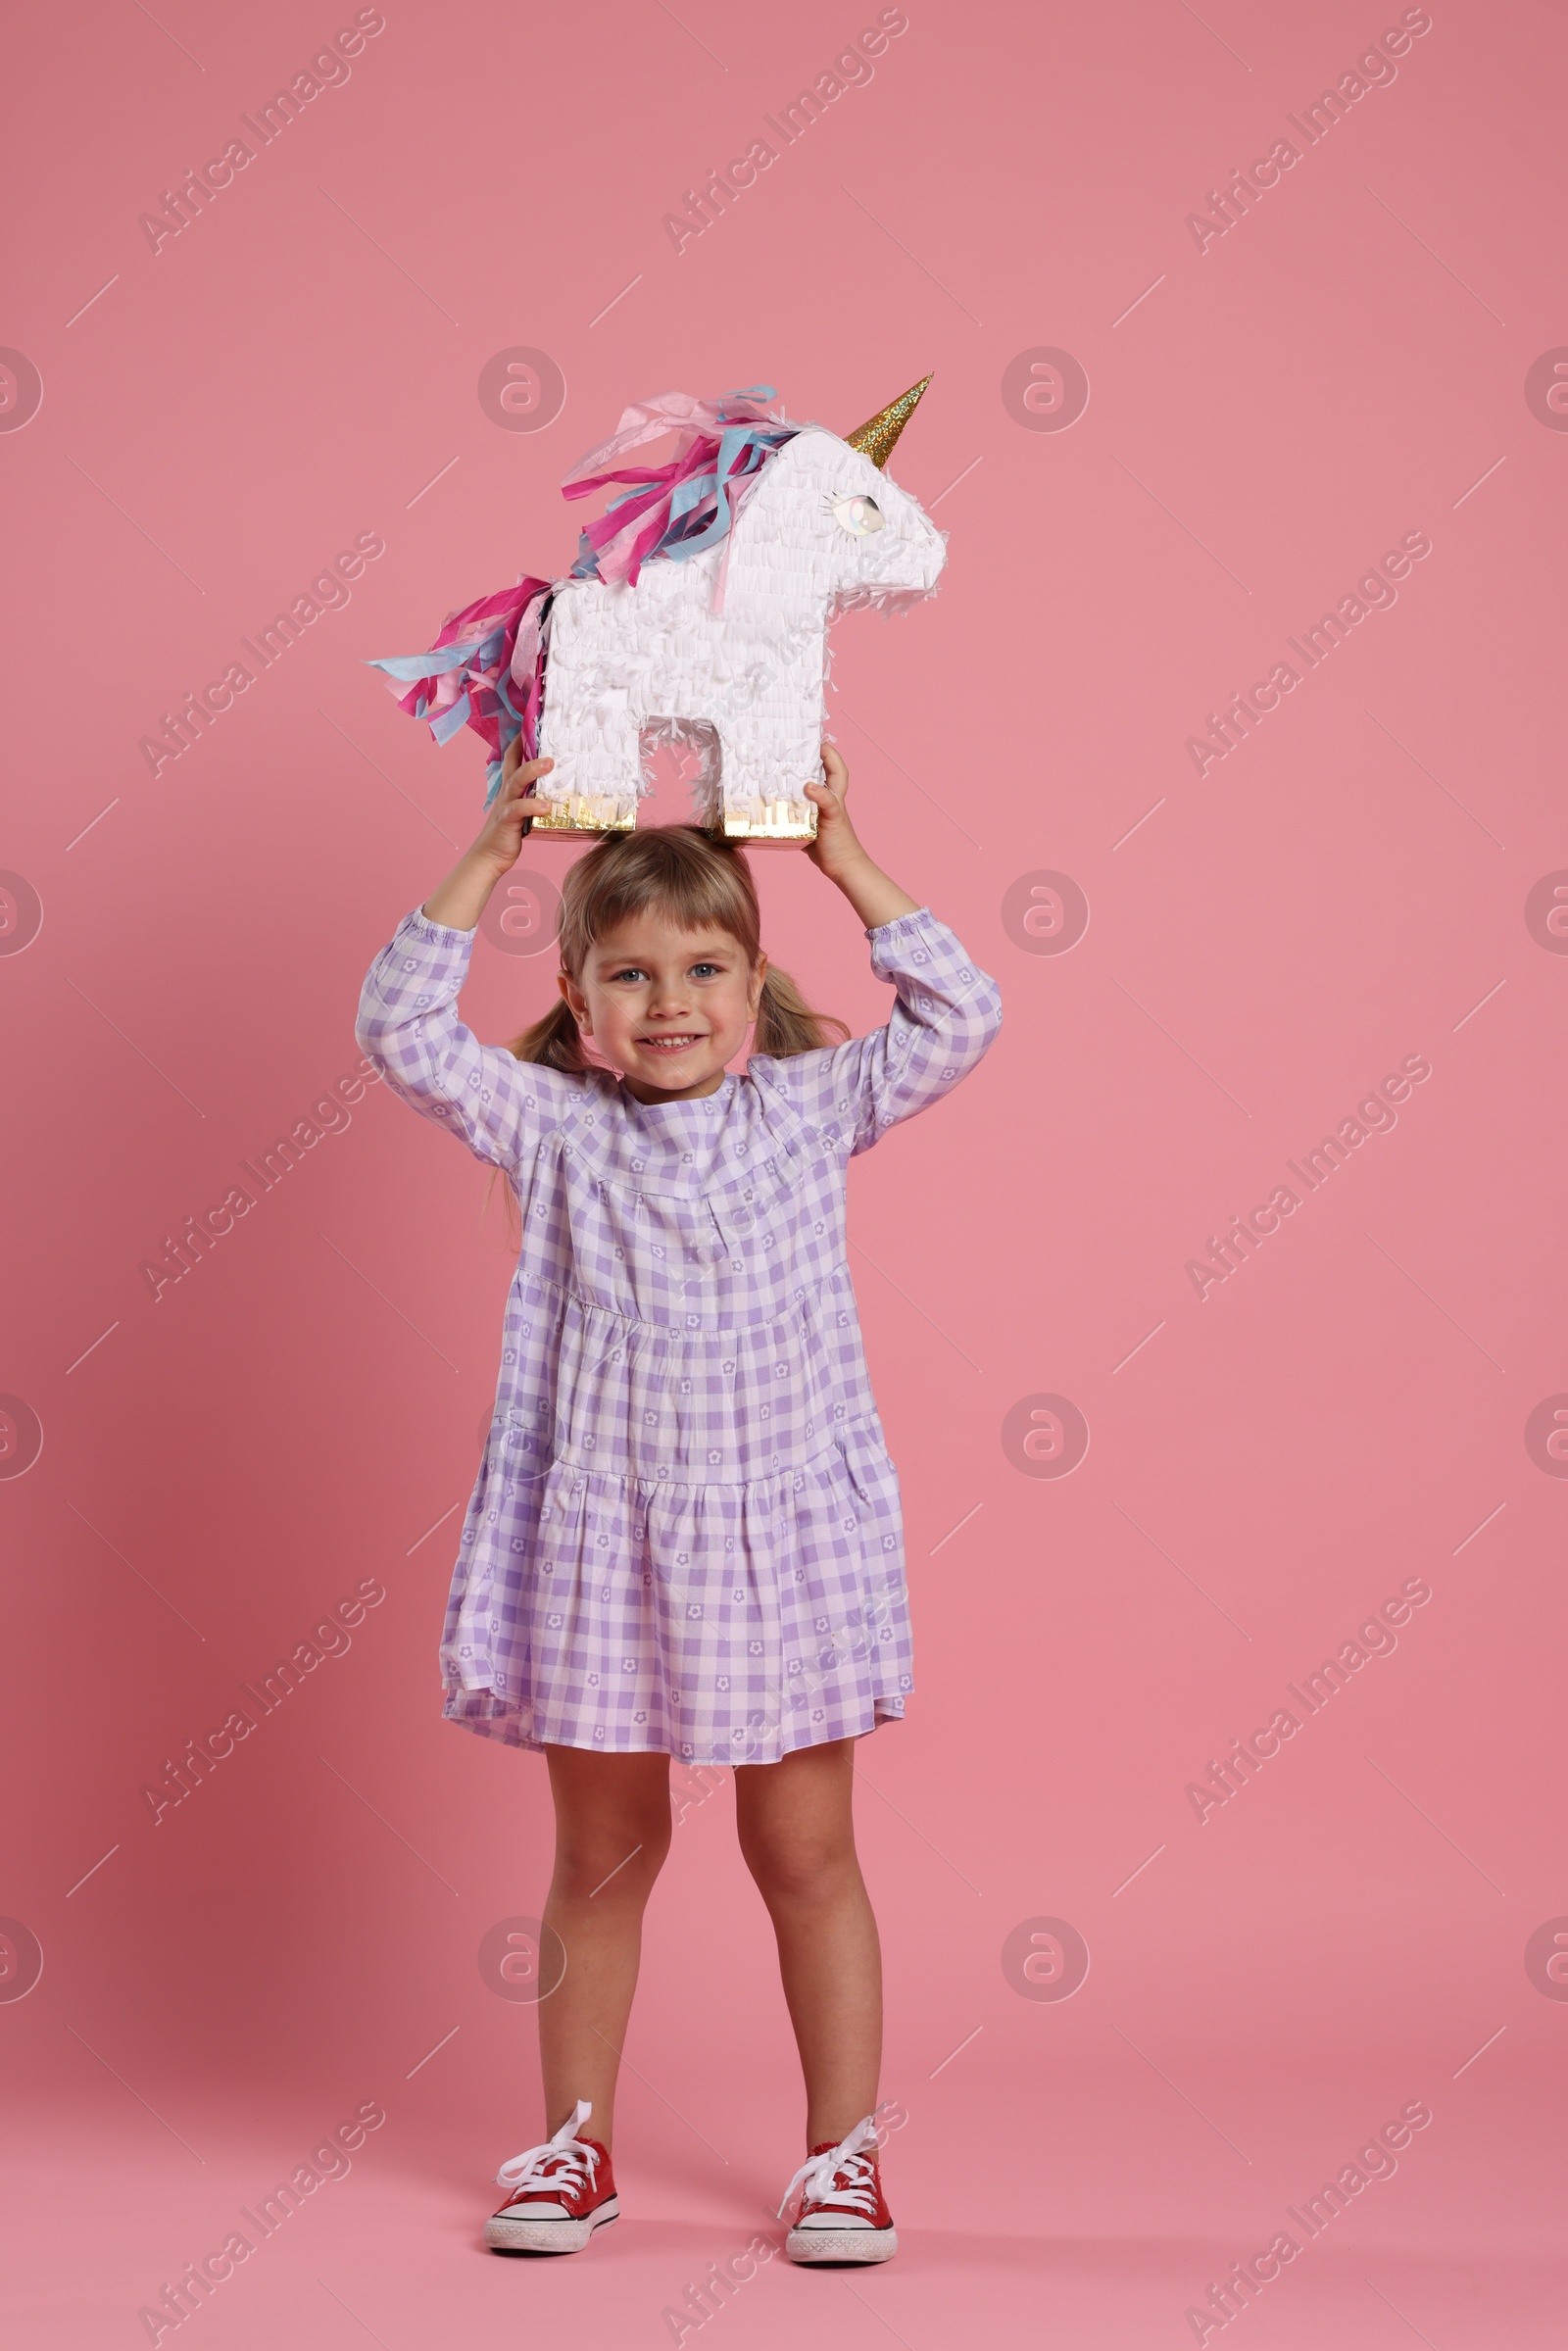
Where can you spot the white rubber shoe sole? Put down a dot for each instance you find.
(841, 2244)
(503, 2235)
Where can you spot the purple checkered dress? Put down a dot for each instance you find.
(685, 1536)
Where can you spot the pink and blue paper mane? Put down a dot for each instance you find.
(487, 667)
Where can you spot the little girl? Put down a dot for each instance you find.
(685, 1537)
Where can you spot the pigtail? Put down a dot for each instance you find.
(786, 1023)
(556, 1041)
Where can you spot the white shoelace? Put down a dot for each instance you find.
(817, 2172)
(561, 2162)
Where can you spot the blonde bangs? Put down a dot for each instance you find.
(673, 870)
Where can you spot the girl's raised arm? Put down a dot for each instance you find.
(947, 1014)
(407, 1022)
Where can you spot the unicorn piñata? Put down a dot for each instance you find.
(696, 614)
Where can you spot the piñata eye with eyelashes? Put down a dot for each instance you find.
(859, 515)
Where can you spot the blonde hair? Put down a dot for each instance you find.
(695, 882)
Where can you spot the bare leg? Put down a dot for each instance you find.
(611, 1835)
(797, 1834)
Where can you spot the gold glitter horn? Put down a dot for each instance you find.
(875, 437)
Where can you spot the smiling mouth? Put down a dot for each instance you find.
(669, 1044)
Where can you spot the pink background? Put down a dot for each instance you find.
(1346, 365)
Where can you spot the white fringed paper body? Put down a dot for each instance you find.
(740, 676)
(698, 616)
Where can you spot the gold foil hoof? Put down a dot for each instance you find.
(585, 815)
(781, 821)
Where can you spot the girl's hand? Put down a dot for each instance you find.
(875, 897)
(465, 893)
(836, 849)
(509, 816)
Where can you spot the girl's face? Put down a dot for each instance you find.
(667, 1009)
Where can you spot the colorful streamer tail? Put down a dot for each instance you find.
(486, 669)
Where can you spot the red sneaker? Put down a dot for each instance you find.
(560, 2193)
(842, 2214)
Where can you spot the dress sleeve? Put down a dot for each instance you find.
(946, 1013)
(408, 1025)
